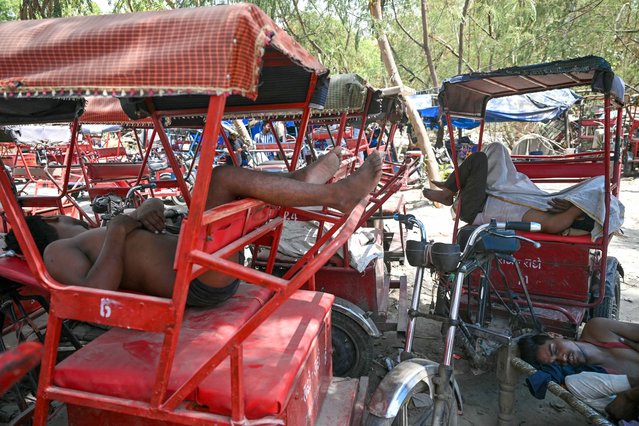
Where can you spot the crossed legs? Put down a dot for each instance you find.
(304, 187)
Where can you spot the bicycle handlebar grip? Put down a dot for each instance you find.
(403, 218)
(148, 185)
(523, 226)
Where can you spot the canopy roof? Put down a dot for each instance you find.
(35, 135)
(99, 110)
(177, 57)
(467, 95)
(347, 92)
(532, 107)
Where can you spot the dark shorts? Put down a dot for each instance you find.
(202, 296)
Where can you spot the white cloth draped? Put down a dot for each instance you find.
(506, 183)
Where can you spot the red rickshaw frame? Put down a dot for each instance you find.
(270, 46)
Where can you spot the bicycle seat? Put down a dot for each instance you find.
(155, 165)
(489, 243)
(442, 256)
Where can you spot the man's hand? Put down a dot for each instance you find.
(558, 206)
(631, 343)
(151, 215)
(623, 407)
(126, 222)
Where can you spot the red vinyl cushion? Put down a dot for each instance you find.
(123, 362)
(556, 238)
(17, 270)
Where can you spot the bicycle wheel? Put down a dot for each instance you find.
(417, 409)
(352, 347)
(610, 305)
(178, 200)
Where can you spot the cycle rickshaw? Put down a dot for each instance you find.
(558, 286)
(265, 358)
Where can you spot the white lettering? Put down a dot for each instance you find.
(105, 308)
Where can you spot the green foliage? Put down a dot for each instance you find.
(9, 10)
(497, 34)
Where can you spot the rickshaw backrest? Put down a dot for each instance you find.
(572, 167)
(227, 229)
(102, 172)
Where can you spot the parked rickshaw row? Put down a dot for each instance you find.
(311, 301)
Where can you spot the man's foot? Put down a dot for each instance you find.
(439, 184)
(350, 191)
(445, 196)
(322, 170)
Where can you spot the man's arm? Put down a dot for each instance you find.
(625, 405)
(608, 330)
(70, 264)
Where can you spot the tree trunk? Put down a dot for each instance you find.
(244, 134)
(423, 142)
(426, 45)
(462, 23)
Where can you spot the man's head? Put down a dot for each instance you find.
(266, 127)
(544, 349)
(47, 229)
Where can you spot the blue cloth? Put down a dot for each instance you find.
(538, 382)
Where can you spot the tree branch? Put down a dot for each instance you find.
(303, 27)
(413, 75)
(451, 50)
(401, 27)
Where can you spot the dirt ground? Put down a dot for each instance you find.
(480, 389)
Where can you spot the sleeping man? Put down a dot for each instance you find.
(491, 187)
(606, 343)
(112, 257)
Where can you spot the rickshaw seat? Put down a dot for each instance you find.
(122, 363)
(16, 269)
(556, 238)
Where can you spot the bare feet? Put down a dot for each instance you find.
(445, 196)
(322, 170)
(350, 191)
(439, 184)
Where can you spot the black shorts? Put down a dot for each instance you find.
(203, 296)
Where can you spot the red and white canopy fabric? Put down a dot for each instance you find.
(207, 51)
(101, 110)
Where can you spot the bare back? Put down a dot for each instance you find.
(148, 259)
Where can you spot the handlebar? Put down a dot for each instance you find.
(409, 221)
(140, 187)
(518, 226)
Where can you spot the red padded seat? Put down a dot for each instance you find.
(556, 238)
(17, 270)
(123, 362)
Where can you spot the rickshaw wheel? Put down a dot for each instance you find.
(610, 305)
(352, 347)
(417, 410)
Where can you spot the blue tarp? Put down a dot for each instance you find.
(532, 107)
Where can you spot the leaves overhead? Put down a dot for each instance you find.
(496, 34)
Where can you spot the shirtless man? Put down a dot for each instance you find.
(133, 252)
(607, 343)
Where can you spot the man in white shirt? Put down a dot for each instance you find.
(265, 136)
